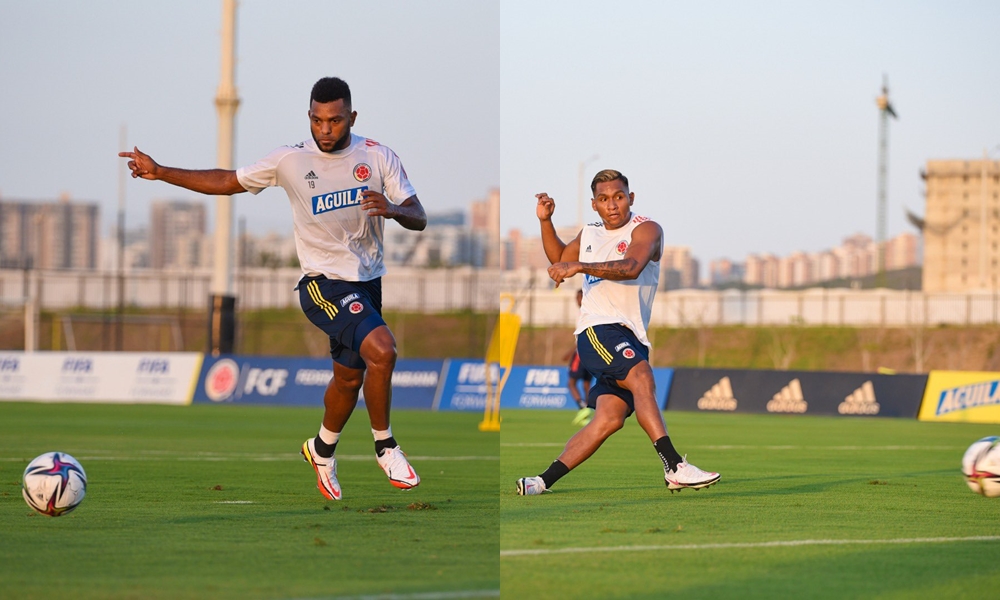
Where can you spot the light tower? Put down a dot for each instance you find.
(885, 111)
(222, 302)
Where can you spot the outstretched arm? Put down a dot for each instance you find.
(216, 182)
(409, 213)
(555, 249)
(646, 246)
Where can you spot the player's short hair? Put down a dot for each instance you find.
(605, 176)
(330, 89)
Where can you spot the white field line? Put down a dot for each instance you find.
(223, 457)
(745, 545)
(744, 447)
(418, 596)
(234, 502)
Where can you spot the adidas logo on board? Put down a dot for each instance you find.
(720, 397)
(789, 399)
(860, 402)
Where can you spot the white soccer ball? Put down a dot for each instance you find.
(54, 484)
(981, 467)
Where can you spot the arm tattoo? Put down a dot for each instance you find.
(612, 269)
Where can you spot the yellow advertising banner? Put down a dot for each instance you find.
(961, 396)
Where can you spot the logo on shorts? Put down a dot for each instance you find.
(621, 247)
(221, 380)
(629, 353)
(348, 298)
(362, 172)
(356, 307)
(622, 345)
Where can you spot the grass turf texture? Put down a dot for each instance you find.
(784, 478)
(160, 518)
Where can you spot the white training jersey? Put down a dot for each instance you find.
(333, 236)
(629, 302)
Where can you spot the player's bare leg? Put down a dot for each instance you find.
(339, 400)
(341, 396)
(677, 472)
(640, 382)
(379, 353)
(608, 418)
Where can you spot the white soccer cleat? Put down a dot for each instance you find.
(397, 469)
(326, 470)
(531, 486)
(687, 475)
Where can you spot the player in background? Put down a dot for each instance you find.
(342, 187)
(577, 373)
(619, 259)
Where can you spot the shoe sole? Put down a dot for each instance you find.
(403, 485)
(676, 487)
(307, 456)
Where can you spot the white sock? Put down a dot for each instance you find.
(382, 435)
(328, 437)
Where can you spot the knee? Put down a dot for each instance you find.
(608, 426)
(349, 383)
(381, 353)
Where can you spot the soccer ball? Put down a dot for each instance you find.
(981, 466)
(54, 484)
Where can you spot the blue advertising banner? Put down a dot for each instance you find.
(302, 381)
(537, 386)
(464, 385)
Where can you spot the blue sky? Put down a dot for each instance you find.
(749, 127)
(743, 127)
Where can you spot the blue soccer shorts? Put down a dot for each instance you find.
(347, 311)
(609, 352)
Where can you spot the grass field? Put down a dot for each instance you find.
(808, 507)
(215, 502)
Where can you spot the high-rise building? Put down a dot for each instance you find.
(960, 227)
(678, 268)
(486, 223)
(177, 235)
(48, 235)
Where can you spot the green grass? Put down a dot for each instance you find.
(783, 479)
(157, 522)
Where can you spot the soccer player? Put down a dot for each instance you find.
(619, 259)
(577, 373)
(341, 187)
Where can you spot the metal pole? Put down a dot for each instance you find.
(120, 325)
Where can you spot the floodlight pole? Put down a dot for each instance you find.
(222, 303)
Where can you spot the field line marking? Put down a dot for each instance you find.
(751, 447)
(742, 545)
(218, 457)
(417, 596)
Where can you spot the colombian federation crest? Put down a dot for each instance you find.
(362, 172)
(355, 307)
(629, 353)
(621, 247)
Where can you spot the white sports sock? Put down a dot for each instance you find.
(328, 437)
(382, 435)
